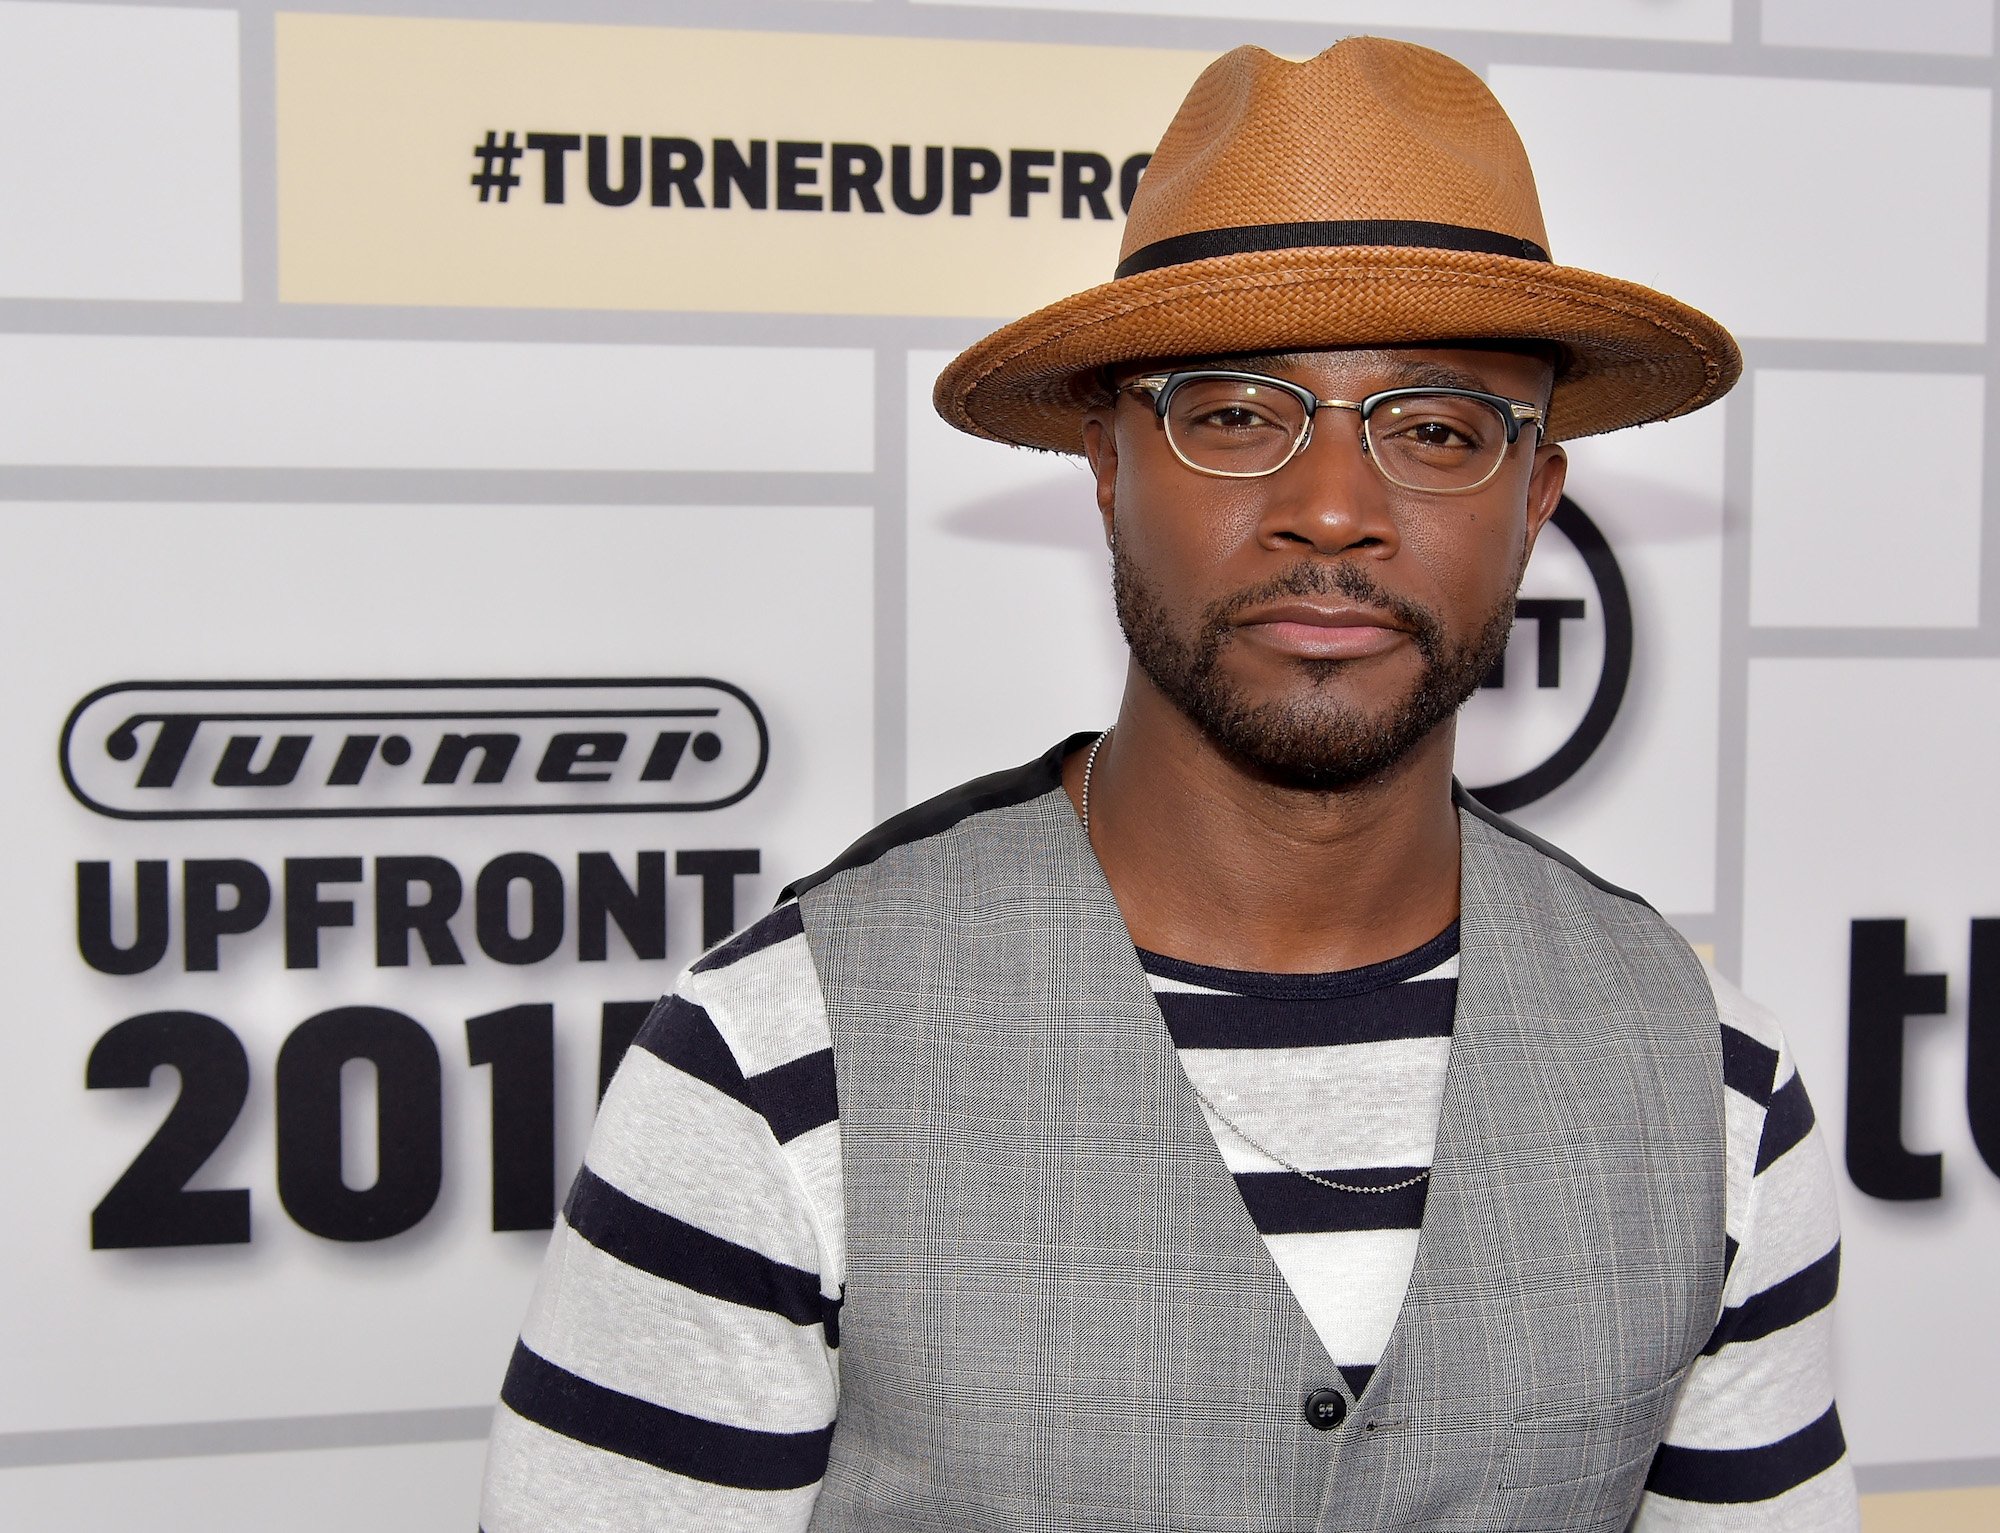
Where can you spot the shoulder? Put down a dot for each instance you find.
(1771, 1114)
(948, 811)
(1758, 1072)
(748, 1024)
(749, 1017)
(1504, 835)
(1530, 910)
(1754, 1057)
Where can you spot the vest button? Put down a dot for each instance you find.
(1325, 1409)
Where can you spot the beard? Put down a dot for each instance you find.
(1310, 739)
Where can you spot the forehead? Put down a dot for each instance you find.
(1518, 369)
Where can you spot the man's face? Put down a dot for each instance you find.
(1319, 623)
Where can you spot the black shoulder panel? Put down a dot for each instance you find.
(1528, 838)
(1016, 785)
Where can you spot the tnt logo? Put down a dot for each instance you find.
(184, 750)
(1550, 702)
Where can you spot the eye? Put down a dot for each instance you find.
(1221, 409)
(1437, 433)
(1230, 417)
(1437, 425)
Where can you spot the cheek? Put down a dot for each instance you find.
(1474, 557)
(1176, 528)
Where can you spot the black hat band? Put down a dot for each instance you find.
(1203, 244)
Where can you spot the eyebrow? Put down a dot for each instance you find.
(1407, 374)
(1437, 375)
(1247, 362)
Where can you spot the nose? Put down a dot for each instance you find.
(1329, 497)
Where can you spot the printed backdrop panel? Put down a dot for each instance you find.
(621, 167)
(1768, 255)
(125, 182)
(1815, 558)
(391, 919)
(1655, 495)
(1872, 918)
(1013, 643)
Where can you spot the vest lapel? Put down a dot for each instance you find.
(1552, 1245)
(1151, 1085)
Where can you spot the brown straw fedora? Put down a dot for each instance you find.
(1374, 195)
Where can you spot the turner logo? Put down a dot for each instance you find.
(187, 750)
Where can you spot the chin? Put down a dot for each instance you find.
(1311, 746)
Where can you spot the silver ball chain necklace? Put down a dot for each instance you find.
(1083, 813)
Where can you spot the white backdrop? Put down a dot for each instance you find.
(288, 397)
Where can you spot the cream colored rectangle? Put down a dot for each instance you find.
(200, 401)
(1973, 1510)
(392, 194)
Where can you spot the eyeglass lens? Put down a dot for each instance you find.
(1420, 441)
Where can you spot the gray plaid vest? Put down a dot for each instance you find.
(1058, 1313)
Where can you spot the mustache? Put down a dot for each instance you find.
(1348, 580)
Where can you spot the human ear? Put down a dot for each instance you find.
(1545, 488)
(1100, 450)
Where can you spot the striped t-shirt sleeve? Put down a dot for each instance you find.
(1755, 1444)
(679, 1364)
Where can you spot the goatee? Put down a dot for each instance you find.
(1308, 739)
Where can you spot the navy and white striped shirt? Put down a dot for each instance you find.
(1341, 1075)
(679, 1367)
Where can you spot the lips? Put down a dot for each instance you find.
(1317, 630)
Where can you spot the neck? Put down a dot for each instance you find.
(1213, 863)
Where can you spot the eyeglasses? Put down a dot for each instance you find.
(1441, 441)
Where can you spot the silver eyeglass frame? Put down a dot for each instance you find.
(1161, 387)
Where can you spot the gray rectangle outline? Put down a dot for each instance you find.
(470, 1423)
(272, 1434)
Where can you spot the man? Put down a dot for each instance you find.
(1223, 1123)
